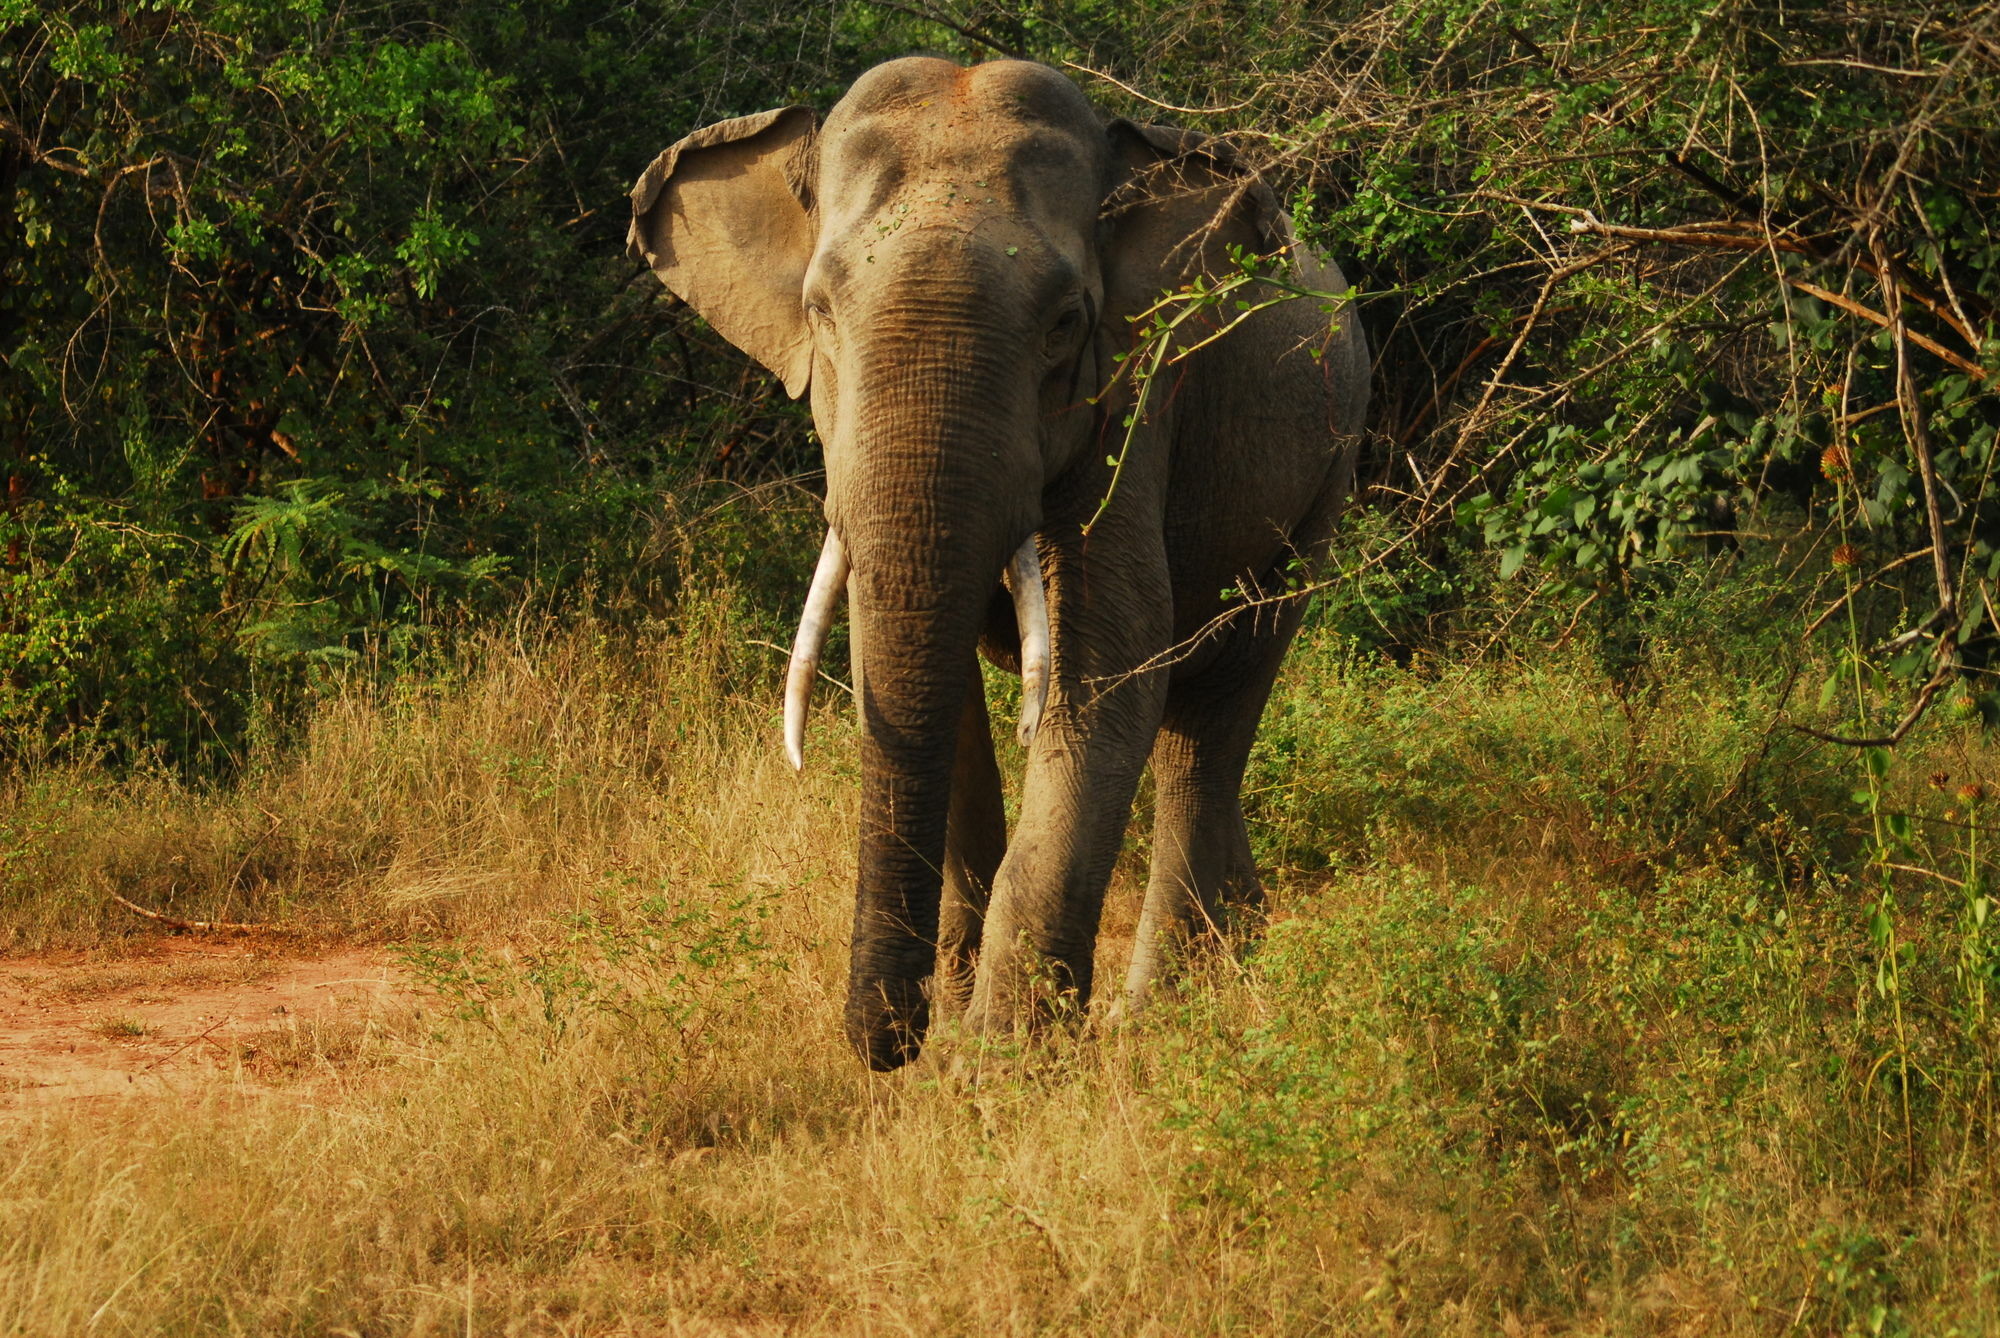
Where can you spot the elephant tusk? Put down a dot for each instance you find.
(1031, 615)
(828, 583)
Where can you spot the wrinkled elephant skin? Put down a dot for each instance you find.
(949, 265)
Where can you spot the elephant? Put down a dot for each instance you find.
(950, 265)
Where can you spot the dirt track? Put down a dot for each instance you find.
(184, 1011)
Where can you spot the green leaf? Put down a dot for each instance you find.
(1911, 662)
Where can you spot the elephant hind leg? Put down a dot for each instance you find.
(1200, 860)
(975, 841)
(1202, 866)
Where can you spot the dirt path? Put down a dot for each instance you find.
(187, 1009)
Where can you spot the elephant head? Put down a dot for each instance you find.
(931, 265)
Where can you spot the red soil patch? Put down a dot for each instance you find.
(184, 1010)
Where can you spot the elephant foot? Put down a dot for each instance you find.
(886, 1025)
(1027, 994)
(1129, 1004)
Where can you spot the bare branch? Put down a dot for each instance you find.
(1155, 102)
(1911, 412)
(1895, 736)
(194, 926)
(1854, 308)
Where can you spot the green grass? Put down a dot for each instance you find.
(120, 1027)
(1566, 1020)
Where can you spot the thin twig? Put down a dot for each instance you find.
(1911, 410)
(786, 651)
(186, 1044)
(1737, 235)
(1472, 420)
(969, 34)
(1155, 102)
(1854, 308)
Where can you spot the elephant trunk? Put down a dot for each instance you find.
(911, 699)
(932, 496)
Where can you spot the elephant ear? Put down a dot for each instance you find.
(720, 219)
(1180, 198)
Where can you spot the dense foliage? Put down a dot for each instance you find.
(318, 332)
(1651, 285)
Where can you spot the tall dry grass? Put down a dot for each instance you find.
(555, 758)
(1562, 1024)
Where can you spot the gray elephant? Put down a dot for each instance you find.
(950, 266)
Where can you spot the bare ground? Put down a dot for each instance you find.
(183, 1011)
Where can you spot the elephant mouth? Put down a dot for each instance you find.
(1031, 614)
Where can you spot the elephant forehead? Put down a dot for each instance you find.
(952, 159)
(951, 205)
(1010, 134)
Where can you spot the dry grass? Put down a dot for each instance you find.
(319, 1047)
(73, 983)
(1483, 1074)
(442, 807)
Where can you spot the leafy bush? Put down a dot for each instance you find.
(319, 337)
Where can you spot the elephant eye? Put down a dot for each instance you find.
(1064, 330)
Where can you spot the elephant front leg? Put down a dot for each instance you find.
(1083, 767)
(975, 841)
